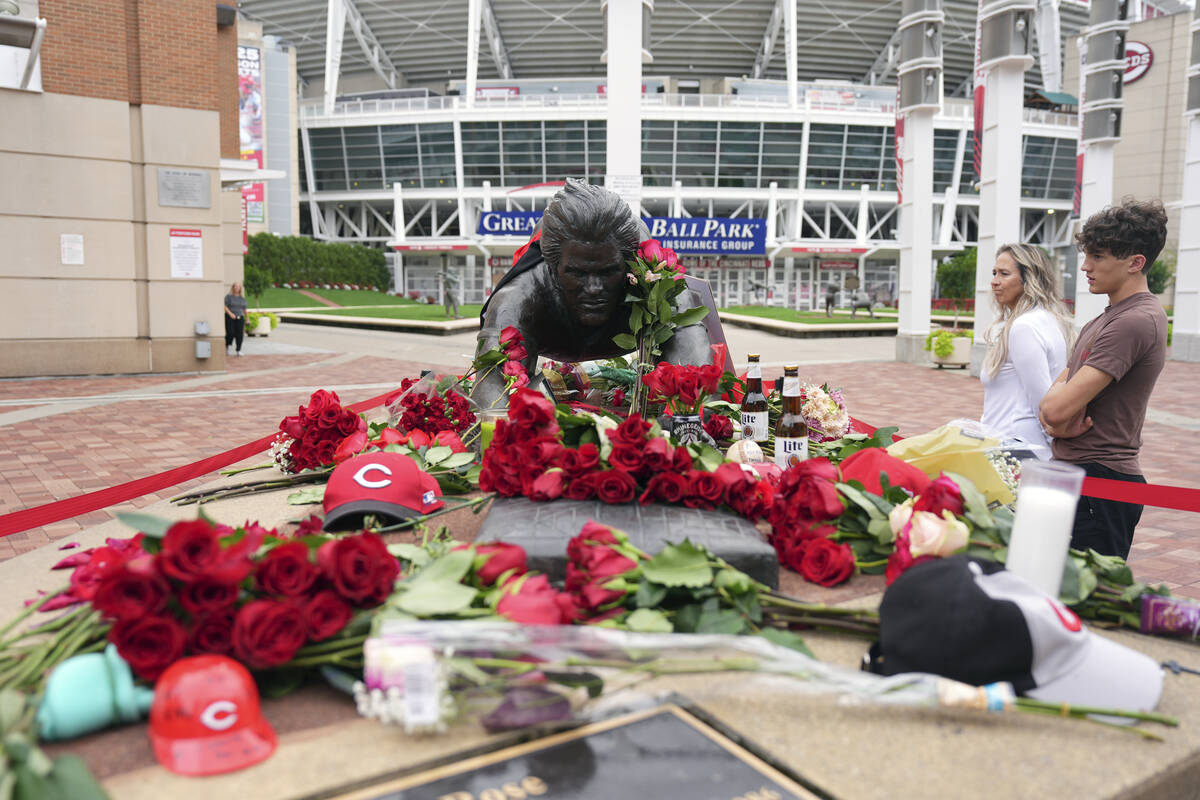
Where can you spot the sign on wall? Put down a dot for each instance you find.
(187, 253)
(743, 235)
(1138, 58)
(184, 188)
(71, 247)
(250, 125)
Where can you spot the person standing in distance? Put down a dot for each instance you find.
(1096, 407)
(1026, 345)
(235, 318)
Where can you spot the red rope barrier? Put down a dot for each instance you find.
(82, 504)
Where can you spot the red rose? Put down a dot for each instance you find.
(750, 499)
(325, 614)
(533, 602)
(591, 534)
(705, 490)
(605, 562)
(192, 550)
(360, 568)
(689, 389)
(868, 464)
(594, 596)
(615, 486)
(351, 446)
(626, 457)
(718, 426)
(657, 454)
(941, 494)
(826, 562)
(531, 409)
(631, 432)
(496, 559)
(510, 335)
(579, 460)
(517, 353)
(204, 597)
(212, 634)
(150, 643)
(136, 590)
(349, 422)
(102, 562)
(582, 487)
(681, 460)
(548, 486)
(286, 570)
(267, 633)
(450, 439)
(669, 487)
(514, 369)
(663, 381)
(292, 426)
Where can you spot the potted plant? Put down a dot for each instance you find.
(261, 323)
(950, 347)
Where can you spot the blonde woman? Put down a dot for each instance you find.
(1026, 346)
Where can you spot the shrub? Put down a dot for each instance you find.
(252, 318)
(255, 282)
(1160, 275)
(298, 259)
(941, 342)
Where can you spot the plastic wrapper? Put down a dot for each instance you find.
(967, 448)
(424, 675)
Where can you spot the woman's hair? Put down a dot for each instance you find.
(1039, 289)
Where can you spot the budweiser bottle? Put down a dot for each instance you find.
(754, 403)
(791, 431)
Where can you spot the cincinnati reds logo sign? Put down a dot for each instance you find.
(1138, 58)
(220, 715)
(362, 480)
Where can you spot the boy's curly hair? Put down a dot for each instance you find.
(1132, 228)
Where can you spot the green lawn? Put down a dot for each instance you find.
(409, 311)
(290, 298)
(810, 317)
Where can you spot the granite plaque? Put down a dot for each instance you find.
(186, 188)
(543, 529)
(664, 753)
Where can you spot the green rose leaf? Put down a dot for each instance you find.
(625, 340)
(881, 529)
(648, 620)
(725, 621)
(307, 496)
(787, 639)
(661, 335)
(450, 568)
(649, 594)
(456, 460)
(710, 458)
(690, 317)
(435, 598)
(415, 554)
(145, 523)
(679, 565)
(70, 778)
(861, 500)
(735, 581)
(975, 506)
(1078, 581)
(436, 455)
(636, 316)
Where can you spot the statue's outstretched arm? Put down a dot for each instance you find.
(508, 306)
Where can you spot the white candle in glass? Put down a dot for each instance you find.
(1045, 517)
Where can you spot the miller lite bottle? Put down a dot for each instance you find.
(754, 403)
(791, 431)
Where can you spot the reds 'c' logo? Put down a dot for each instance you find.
(361, 479)
(219, 715)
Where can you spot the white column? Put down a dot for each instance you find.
(1095, 193)
(623, 168)
(999, 186)
(916, 235)
(335, 32)
(789, 21)
(474, 15)
(1185, 339)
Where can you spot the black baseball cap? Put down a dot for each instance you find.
(975, 622)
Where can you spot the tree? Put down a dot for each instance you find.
(956, 278)
(1160, 275)
(255, 282)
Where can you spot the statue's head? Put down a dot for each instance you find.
(588, 233)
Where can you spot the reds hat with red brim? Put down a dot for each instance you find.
(386, 485)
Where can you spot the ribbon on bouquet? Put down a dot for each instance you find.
(102, 498)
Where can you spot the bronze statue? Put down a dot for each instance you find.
(566, 291)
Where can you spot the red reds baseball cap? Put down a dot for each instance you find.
(206, 719)
(389, 485)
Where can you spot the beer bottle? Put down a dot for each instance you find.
(791, 431)
(754, 403)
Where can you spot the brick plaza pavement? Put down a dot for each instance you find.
(62, 437)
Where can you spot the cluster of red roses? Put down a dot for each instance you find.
(683, 387)
(208, 590)
(802, 518)
(527, 458)
(512, 344)
(315, 432)
(595, 556)
(358, 442)
(430, 412)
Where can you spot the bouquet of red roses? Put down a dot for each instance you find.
(309, 439)
(430, 406)
(683, 388)
(203, 588)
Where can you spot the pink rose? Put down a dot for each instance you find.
(931, 535)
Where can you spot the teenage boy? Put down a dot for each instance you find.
(1096, 407)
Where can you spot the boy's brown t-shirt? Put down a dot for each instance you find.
(1128, 342)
